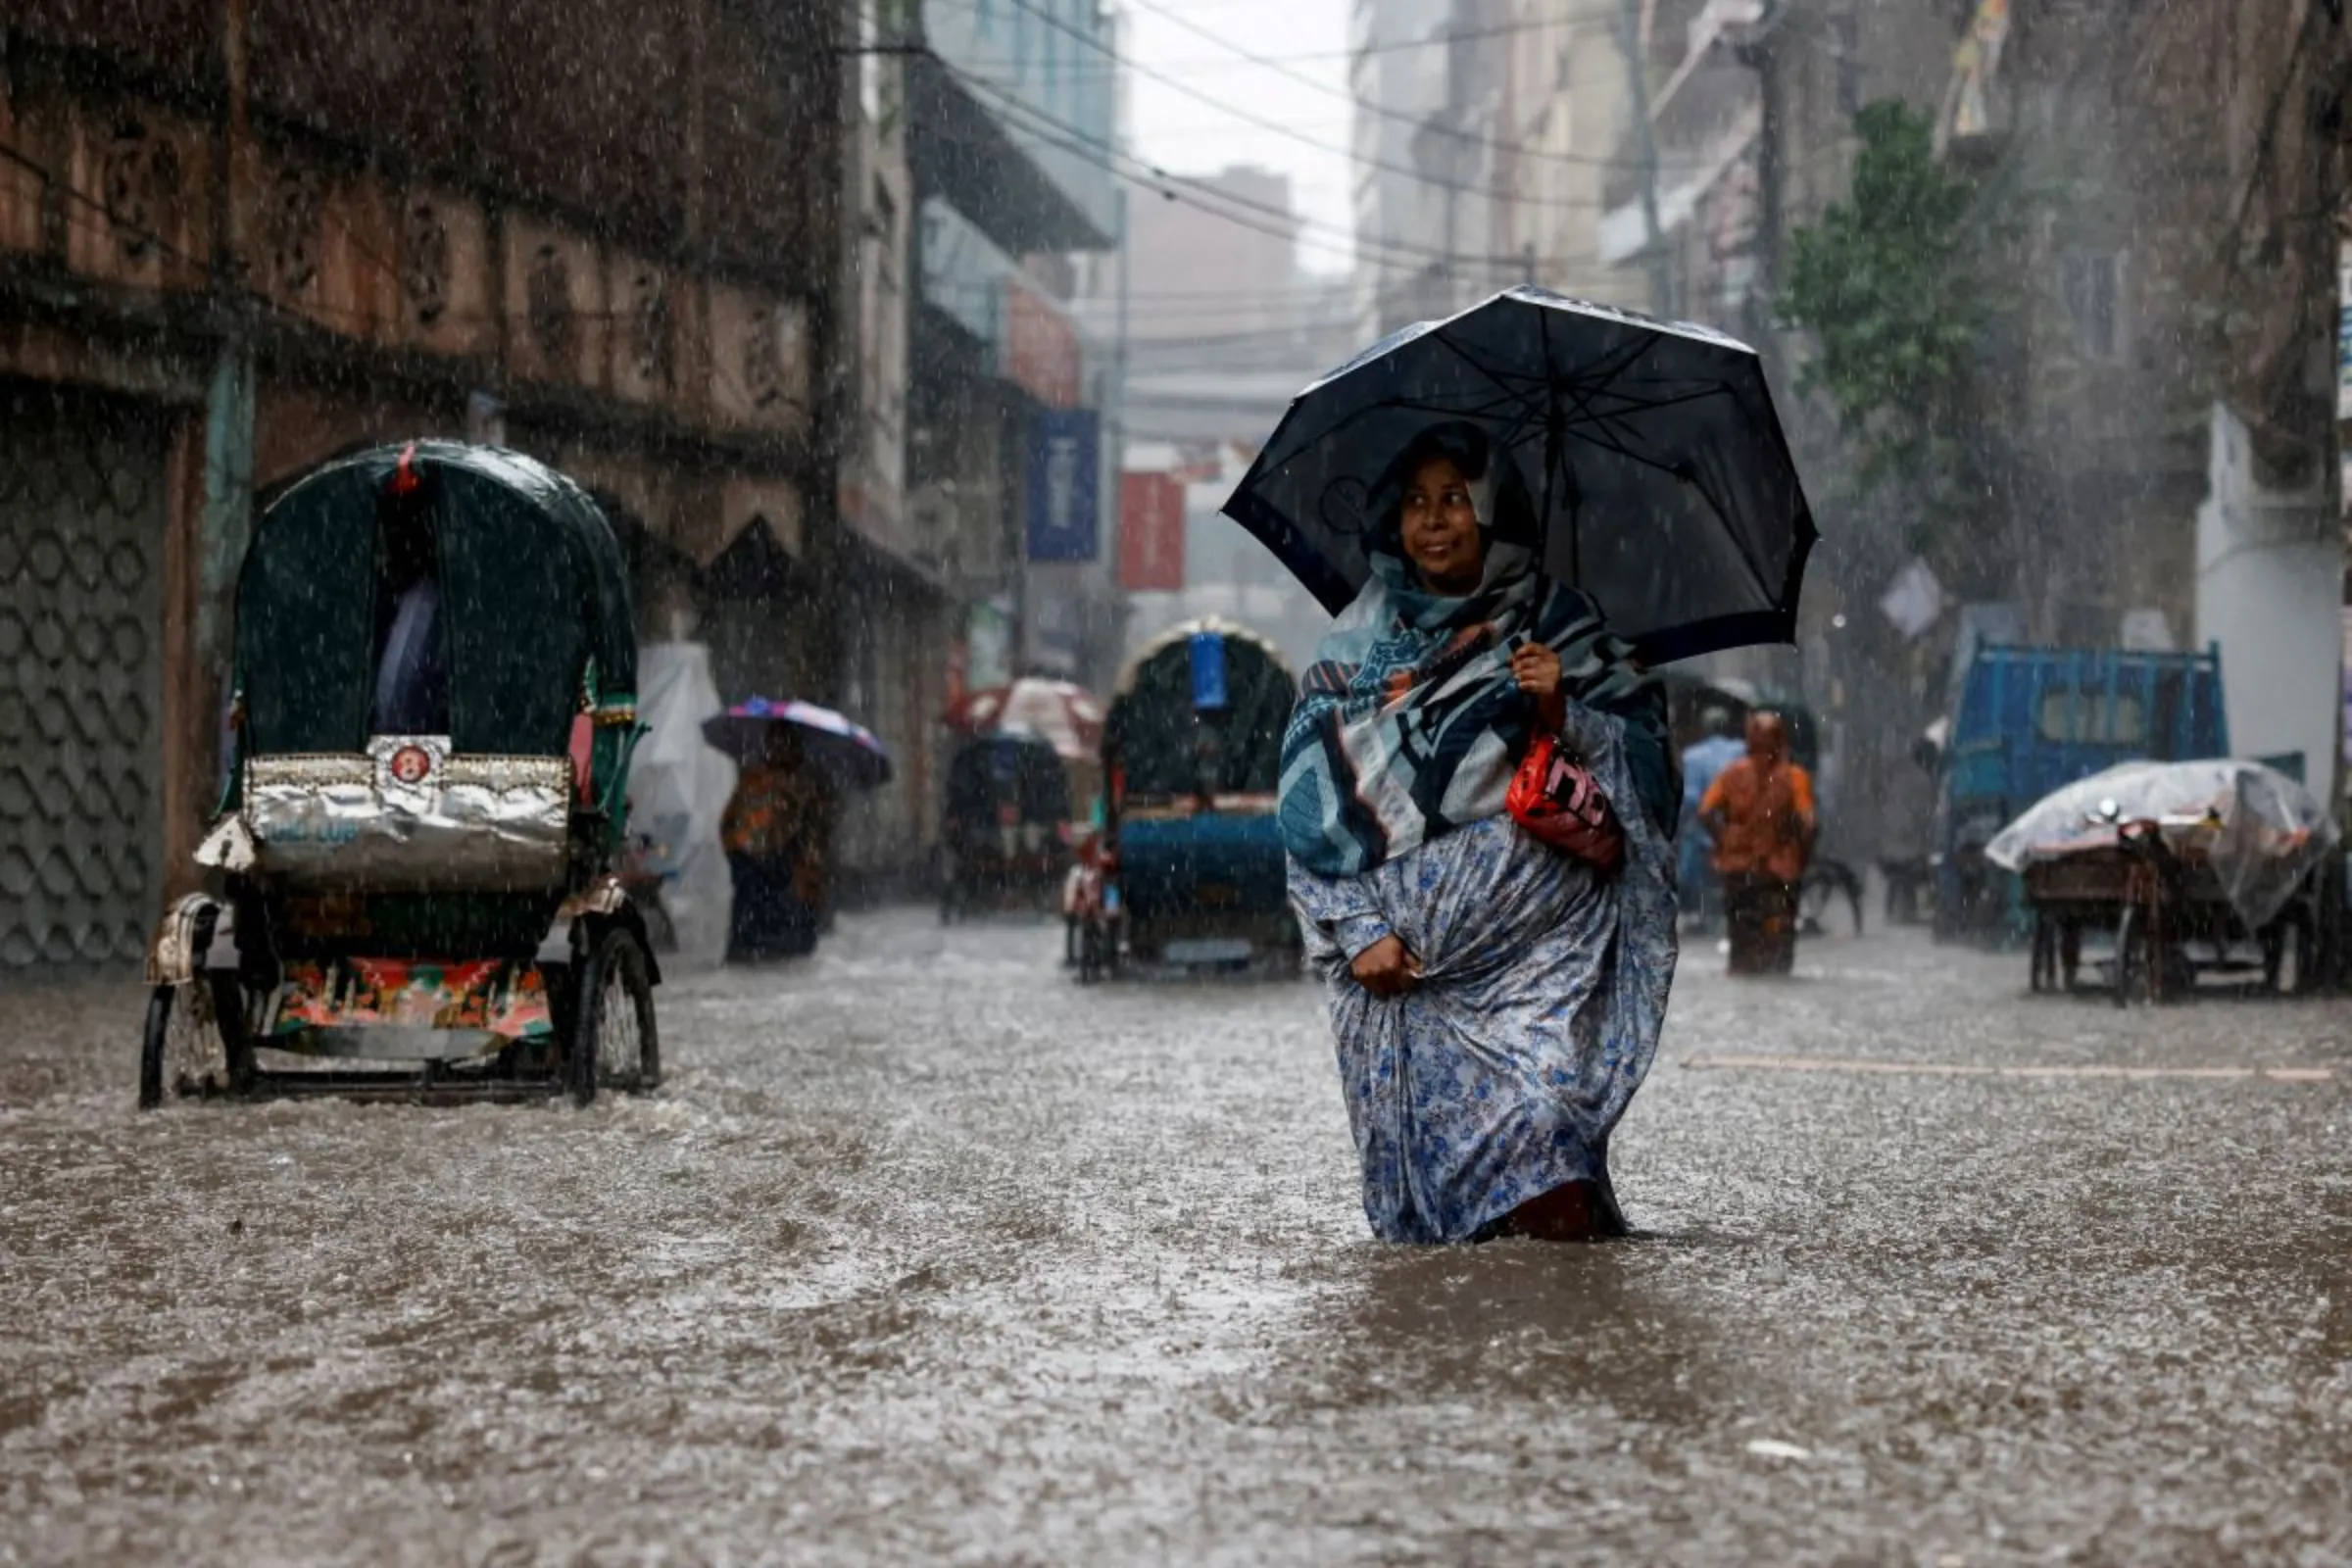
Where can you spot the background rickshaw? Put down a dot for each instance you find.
(440, 908)
(1008, 809)
(2196, 870)
(1192, 856)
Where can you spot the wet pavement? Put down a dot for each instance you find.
(926, 1253)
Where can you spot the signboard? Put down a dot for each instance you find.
(2343, 333)
(988, 645)
(1063, 476)
(1150, 533)
(1040, 353)
(1051, 633)
(2347, 723)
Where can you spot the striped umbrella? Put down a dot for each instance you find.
(1067, 717)
(848, 752)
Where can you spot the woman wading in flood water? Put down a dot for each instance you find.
(1497, 1000)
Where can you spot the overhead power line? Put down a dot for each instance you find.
(1291, 133)
(1076, 140)
(1399, 46)
(1419, 121)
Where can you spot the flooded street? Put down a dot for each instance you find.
(926, 1253)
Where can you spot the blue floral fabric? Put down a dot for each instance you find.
(1500, 1075)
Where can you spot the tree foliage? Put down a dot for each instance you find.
(1890, 286)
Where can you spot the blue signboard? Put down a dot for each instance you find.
(1064, 469)
(1208, 670)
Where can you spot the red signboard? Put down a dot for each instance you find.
(1150, 533)
(1040, 349)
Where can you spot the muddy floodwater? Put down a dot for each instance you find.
(927, 1255)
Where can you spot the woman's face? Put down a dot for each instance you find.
(1440, 528)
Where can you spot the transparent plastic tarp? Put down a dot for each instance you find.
(679, 785)
(2260, 831)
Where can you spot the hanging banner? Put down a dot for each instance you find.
(1975, 63)
(1052, 629)
(1064, 462)
(1150, 533)
(988, 644)
(1040, 353)
(2344, 333)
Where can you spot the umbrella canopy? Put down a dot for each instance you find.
(848, 753)
(1666, 488)
(1065, 716)
(2261, 830)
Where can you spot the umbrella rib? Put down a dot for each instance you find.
(1555, 457)
(1714, 506)
(1474, 411)
(1447, 343)
(1585, 401)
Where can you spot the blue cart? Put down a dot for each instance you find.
(2031, 720)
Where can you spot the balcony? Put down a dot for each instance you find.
(1010, 113)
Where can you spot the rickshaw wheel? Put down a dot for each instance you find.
(194, 1034)
(614, 1044)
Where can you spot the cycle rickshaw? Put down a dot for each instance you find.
(1191, 871)
(414, 878)
(1003, 839)
(2199, 871)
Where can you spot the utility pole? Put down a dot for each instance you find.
(1646, 153)
(1110, 506)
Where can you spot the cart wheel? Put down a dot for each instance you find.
(189, 1044)
(2303, 946)
(614, 1044)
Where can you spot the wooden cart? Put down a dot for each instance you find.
(2171, 918)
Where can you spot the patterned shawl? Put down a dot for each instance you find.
(1410, 722)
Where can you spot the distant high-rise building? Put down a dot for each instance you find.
(1193, 273)
(1396, 71)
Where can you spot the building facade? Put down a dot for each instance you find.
(234, 239)
(1000, 563)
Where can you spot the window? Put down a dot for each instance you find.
(1053, 85)
(2090, 284)
(1845, 52)
(2094, 718)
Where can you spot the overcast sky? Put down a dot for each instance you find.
(1186, 134)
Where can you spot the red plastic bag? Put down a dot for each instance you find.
(1556, 798)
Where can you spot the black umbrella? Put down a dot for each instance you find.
(1665, 484)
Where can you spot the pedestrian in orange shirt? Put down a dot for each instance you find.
(1760, 810)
